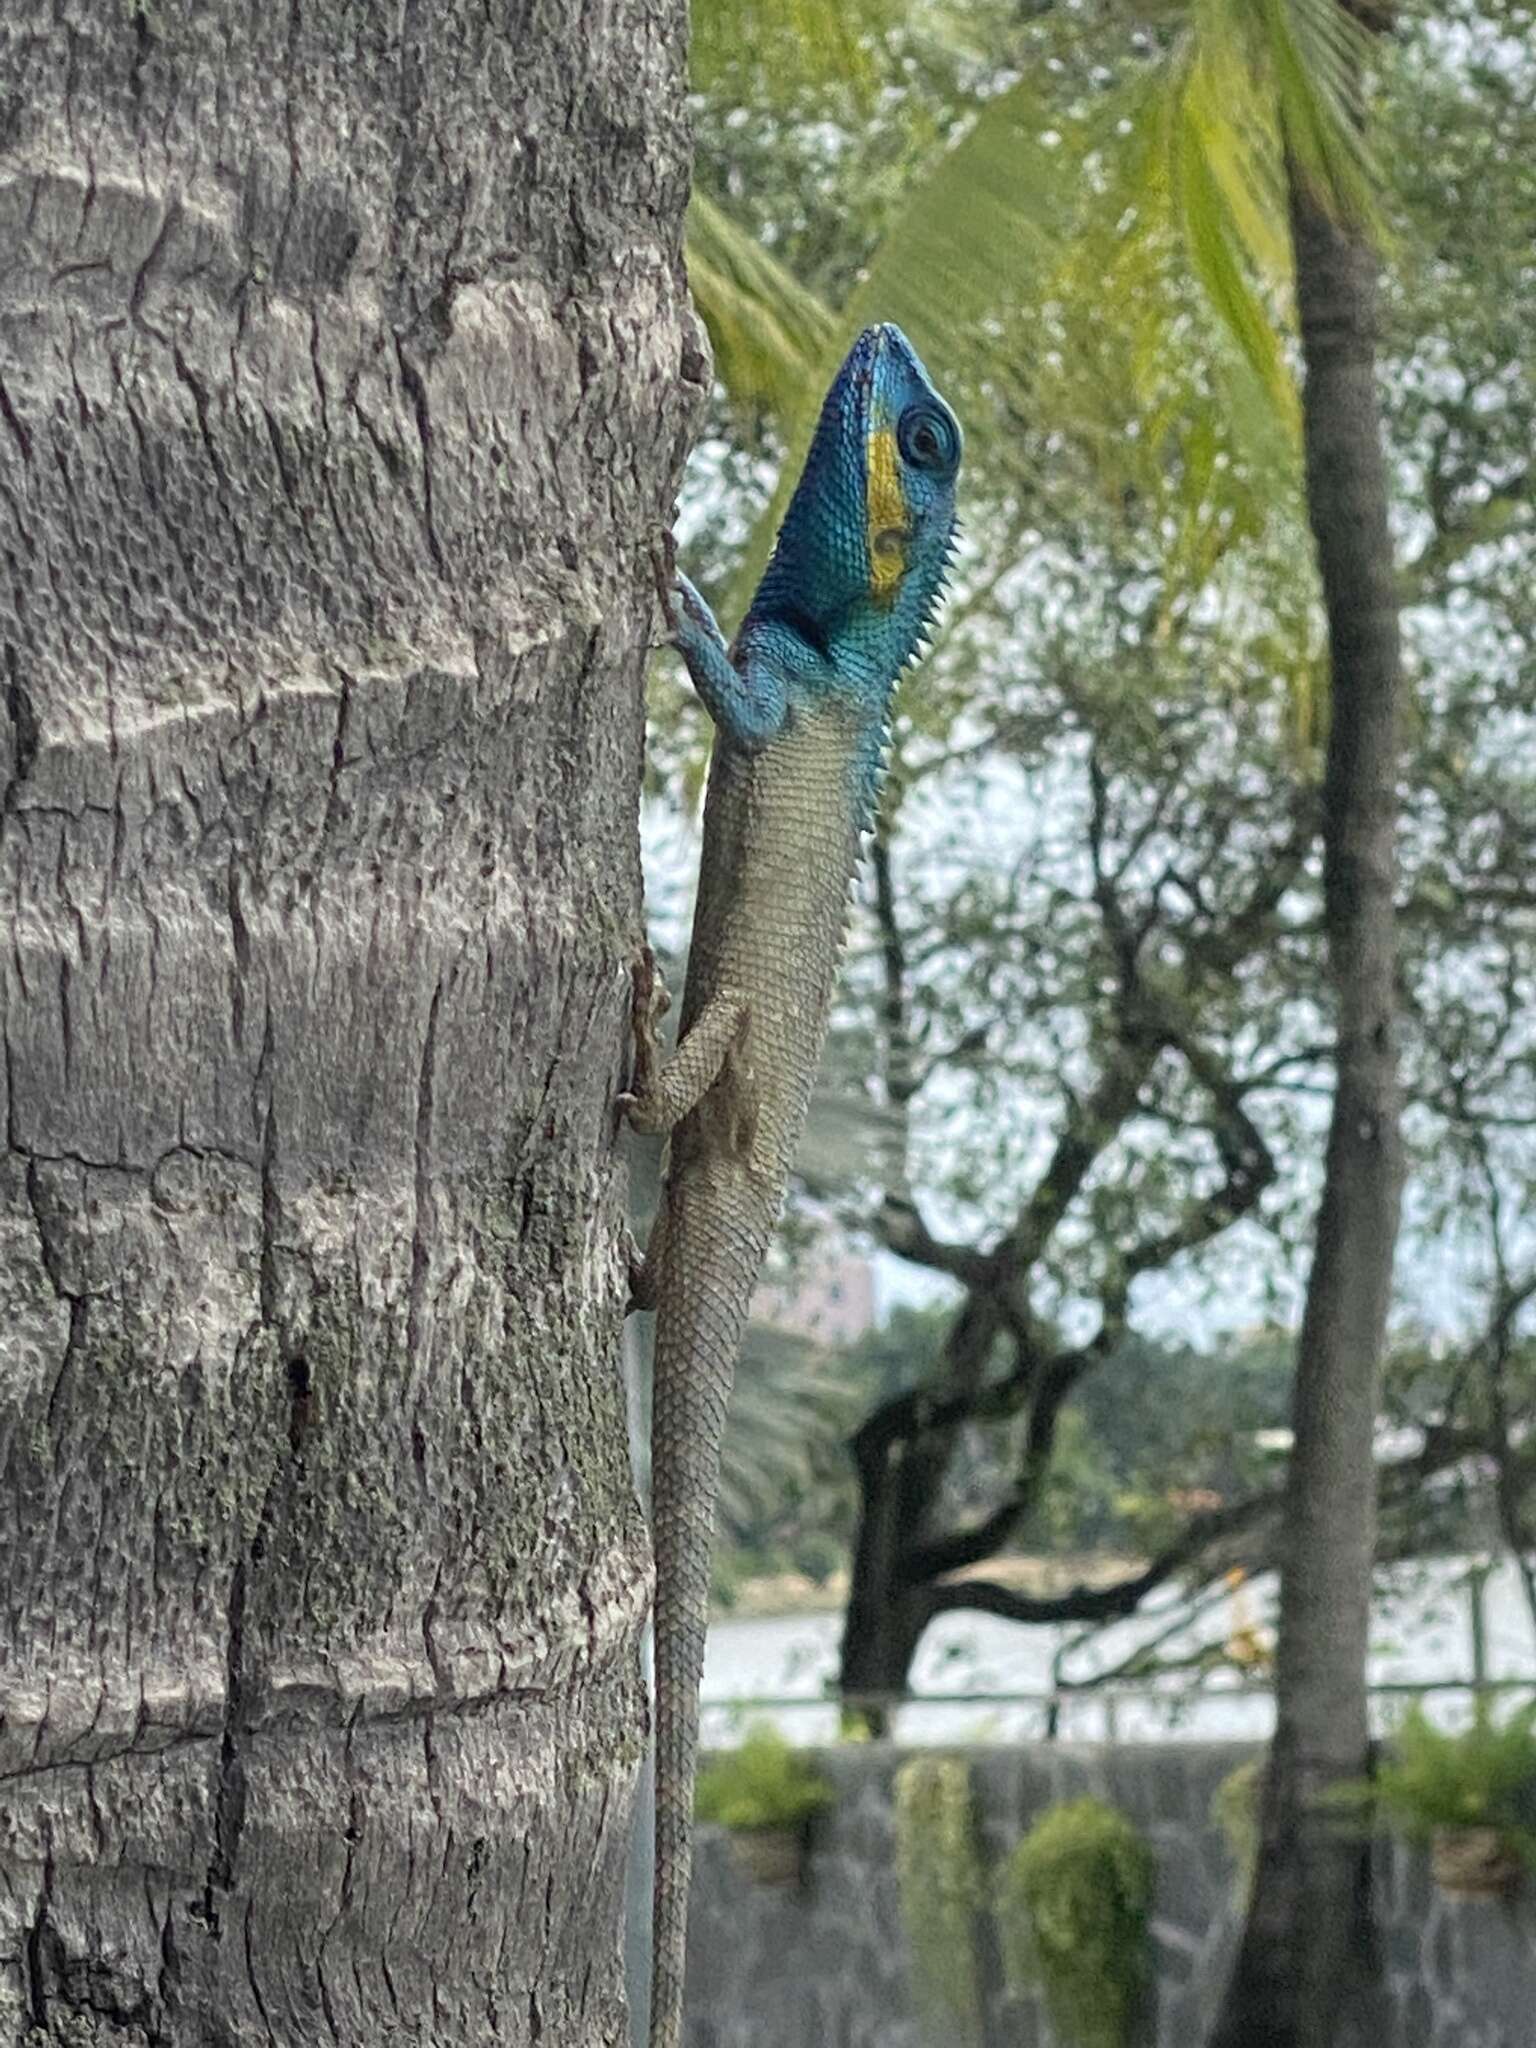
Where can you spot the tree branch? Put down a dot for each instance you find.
(1051, 1384)
(1108, 1603)
(1402, 1479)
(899, 1225)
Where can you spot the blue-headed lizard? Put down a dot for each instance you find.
(800, 704)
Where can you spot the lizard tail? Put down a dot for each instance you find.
(696, 1340)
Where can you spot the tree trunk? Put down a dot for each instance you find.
(1306, 1962)
(345, 370)
(886, 1615)
(901, 1482)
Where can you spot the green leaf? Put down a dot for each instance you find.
(762, 1783)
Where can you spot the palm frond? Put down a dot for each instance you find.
(957, 273)
(1316, 53)
(1227, 111)
(1079, 267)
(769, 333)
(791, 1405)
(975, 240)
(1252, 90)
(1230, 212)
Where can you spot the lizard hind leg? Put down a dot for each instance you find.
(663, 1095)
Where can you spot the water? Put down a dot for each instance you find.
(1422, 1634)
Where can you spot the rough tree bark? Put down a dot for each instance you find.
(345, 373)
(1305, 1967)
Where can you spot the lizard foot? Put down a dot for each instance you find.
(664, 569)
(648, 1004)
(644, 1277)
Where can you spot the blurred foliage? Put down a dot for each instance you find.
(761, 1783)
(789, 1401)
(1155, 1426)
(1020, 172)
(1235, 1811)
(768, 332)
(773, 48)
(1482, 1776)
(791, 1411)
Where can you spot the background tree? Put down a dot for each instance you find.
(1307, 1960)
(345, 372)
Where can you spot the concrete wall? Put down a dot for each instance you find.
(825, 1967)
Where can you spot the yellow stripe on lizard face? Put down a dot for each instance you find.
(885, 511)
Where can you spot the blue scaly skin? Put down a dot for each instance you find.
(801, 707)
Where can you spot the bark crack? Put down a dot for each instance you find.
(338, 755)
(199, 393)
(152, 261)
(271, 1206)
(416, 391)
(13, 420)
(250, 1971)
(240, 945)
(423, 1230)
(40, 1946)
(339, 1713)
(229, 1807)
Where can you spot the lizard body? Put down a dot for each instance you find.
(801, 706)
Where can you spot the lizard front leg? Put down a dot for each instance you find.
(744, 697)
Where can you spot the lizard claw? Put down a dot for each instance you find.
(664, 568)
(641, 1274)
(645, 1114)
(630, 1108)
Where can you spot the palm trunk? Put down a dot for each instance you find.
(1306, 1962)
(339, 405)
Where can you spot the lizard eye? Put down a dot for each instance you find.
(929, 439)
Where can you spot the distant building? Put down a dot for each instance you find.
(826, 1301)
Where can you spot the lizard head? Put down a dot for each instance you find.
(862, 555)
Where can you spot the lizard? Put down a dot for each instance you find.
(800, 704)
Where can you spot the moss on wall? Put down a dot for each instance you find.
(942, 1892)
